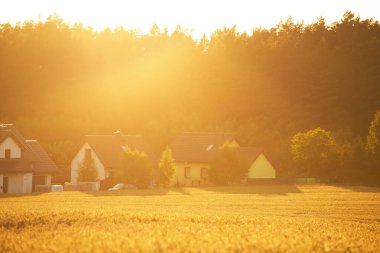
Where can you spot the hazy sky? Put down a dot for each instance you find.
(200, 15)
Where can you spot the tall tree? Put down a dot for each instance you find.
(87, 170)
(166, 168)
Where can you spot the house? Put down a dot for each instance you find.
(107, 151)
(23, 163)
(193, 153)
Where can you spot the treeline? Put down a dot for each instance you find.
(59, 82)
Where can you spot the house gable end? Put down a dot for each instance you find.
(261, 168)
(10, 145)
(78, 158)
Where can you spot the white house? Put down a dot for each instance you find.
(23, 163)
(107, 151)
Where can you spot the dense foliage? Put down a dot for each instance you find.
(135, 168)
(87, 171)
(373, 138)
(59, 82)
(227, 167)
(373, 146)
(166, 168)
(315, 152)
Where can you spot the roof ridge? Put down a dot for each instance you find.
(206, 133)
(31, 140)
(112, 135)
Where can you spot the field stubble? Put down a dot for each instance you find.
(215, 219)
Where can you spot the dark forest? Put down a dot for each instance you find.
(60, 82)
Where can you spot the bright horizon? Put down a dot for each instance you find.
(198, 16)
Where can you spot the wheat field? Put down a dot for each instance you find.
(213, 219)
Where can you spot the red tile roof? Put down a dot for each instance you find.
(109, 148)
(198, 147)
(33, 156)
(45, 164)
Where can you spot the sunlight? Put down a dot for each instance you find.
(200, 16)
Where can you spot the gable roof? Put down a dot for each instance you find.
(45, 164)
(3, 135)
(109, 148)
(8, 130)
(198, 147)
(33, 156)
(249, 154)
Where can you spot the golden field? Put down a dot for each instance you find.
(213, 219)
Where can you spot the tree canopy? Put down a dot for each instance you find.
(135, 168)
(373, 138)
(373, 147)
(227, 167)
(315, 153)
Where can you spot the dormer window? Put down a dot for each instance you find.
(7, 154)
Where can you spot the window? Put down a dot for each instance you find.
(204, 173)
(187, 172)
(7, 154)
(87, 153)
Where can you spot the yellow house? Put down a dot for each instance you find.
(193, 153)
(260, 169)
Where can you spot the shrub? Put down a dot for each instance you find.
(136, 168)
(227, 167)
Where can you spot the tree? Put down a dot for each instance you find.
(373, 146)
(136, 168)
(87, 171)
(373, 138)
(315, 153)
(227, 167)
(166, 168)
(352, 157)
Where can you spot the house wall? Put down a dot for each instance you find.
(27, 185)
(261, 168)
(9, 143)
(195, 179)
(19, 183)
(75, 163)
